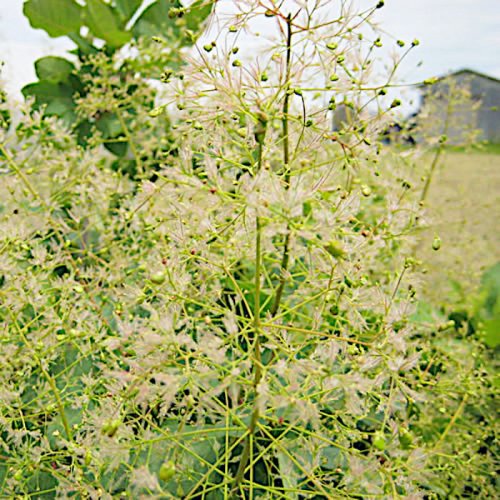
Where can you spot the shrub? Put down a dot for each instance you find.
(241, 327)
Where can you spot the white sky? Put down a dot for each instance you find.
(454, 34)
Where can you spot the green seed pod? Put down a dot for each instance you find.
(269, 13)
(436, 243)
(156, 111)
(400, 43)
(233, 29)
(242, 132)
(167, 471)
(334, 77)
(158, 278)
(236, 63)
(264, 77)
(366, 190)
(379, 441)
(110, 427)
(166, 75)
(335, 250)
(208, 47)
(332, 46)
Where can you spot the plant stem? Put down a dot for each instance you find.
(428, 179)
(437, 156)
(12, 164)
(451, 423)
(257, 360)
(49, 378)
(130, 141)
(286, 103)
(286, 161)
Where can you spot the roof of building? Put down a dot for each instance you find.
(467, 71)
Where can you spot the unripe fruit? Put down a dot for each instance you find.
(436, 244)
(366, 191)
(167, 471)
(110, 427)
(379, 441)
(158, 278)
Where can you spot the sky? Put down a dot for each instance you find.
(454, 34)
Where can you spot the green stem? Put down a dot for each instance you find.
(287, 172)
(12, 164)
(428, 179)
(257, 360)
(49, 379)
(126, 131)
(286, 103)
(437, 156)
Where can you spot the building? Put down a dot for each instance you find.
(460, 103)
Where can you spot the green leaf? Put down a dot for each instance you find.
(56, 96)
(492, 332)
(104, 23)
(44, 92)
(155, 21)
(53, 69)
(197, 14)
(56, 17)
(127, 8)
(109, 125)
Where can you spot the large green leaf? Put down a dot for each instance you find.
(492, 331)
(44, 92)
(58, 98)
(53, 69)
(105, 24)
(155, 21)
(56, 17)
(197, 13)
(109, 125)
(127, 8)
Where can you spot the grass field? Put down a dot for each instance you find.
(464, 209)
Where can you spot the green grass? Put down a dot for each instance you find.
(463, 209)
(486, 148)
